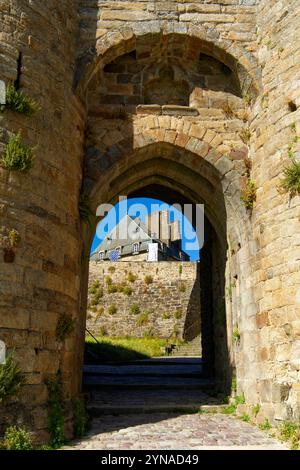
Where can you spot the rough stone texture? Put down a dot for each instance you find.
(168, 306)
(253, 260)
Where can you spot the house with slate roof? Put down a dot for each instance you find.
(131, 238)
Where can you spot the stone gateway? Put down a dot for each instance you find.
(189, 101)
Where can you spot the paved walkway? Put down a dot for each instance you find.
(174, 432)
(148, 405)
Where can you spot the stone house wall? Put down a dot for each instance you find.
(169, 306)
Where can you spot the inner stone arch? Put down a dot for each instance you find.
(161, 170)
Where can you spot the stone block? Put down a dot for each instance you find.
(149, 109)
(173, 110)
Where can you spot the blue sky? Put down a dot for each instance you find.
(189, 241)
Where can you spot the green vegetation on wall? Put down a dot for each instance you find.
(248, 194)
(18, 102)
(291, 179)
(55, 413)
(12, 379)
(80, 417)
(16, 438)
(65, 326)
(16, 156)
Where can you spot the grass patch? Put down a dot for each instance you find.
(126, 349)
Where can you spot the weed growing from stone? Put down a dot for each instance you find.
(135, 309)
(112, 309)
(248, 194)
(291, 182)
(12, 379)
(112, 289)
(178, 314)
(16, 438)
(65, 326)
(131, 277)
(143, 319)
(236, 334)
(94, 287)
(229, 410)
(127, 291)
(55, 413)
(245, 136)
(181, 287)
(19, 102)
(265, 426)
(80, 418)
(256, 410)
(290, 432)
(16, 156)
(245, 417)
(148, 280)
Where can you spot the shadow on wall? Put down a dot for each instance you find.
(192, 326)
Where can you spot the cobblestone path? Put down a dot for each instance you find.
(163, 413)
(176, 432)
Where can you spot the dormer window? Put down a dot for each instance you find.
(135, 248)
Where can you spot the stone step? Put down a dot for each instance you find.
(97, 411)
(192, 348)
(144, 370)
(140, 382)
(146, 401)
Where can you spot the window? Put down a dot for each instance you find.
(135, 248)
(101, 255)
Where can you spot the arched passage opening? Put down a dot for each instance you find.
(176, 175)
(193, 153)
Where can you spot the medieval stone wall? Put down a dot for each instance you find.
(70, 54)
(42, 204)
(160, 299)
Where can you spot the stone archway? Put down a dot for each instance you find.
(191, 174)
(200, 151)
